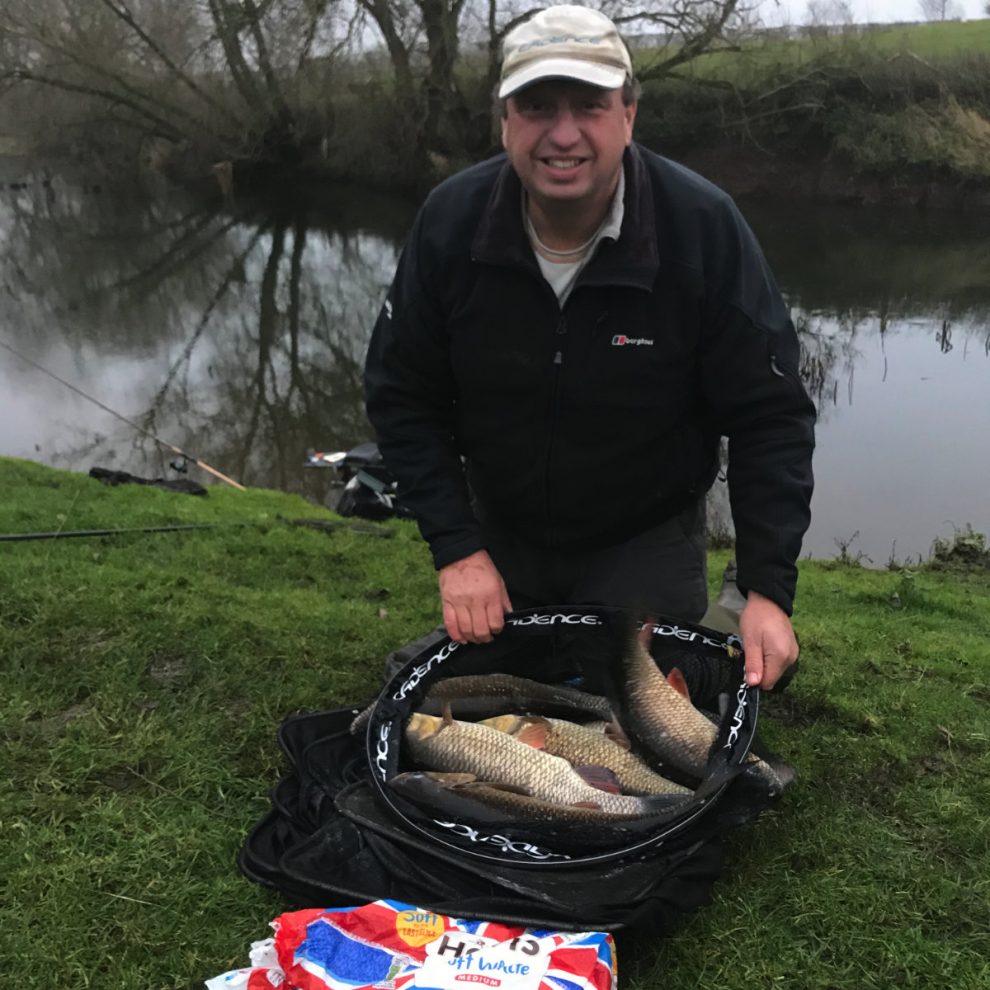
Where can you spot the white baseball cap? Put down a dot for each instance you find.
(564, 42)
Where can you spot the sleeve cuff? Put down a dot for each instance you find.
(450, 550)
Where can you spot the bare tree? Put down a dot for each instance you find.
(219, 75)
(939, 10)
(249, 80)
(829, 16)
(424, 41)
(676, 32)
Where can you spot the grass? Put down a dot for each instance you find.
(905, 104)
(145, 677)
(937, 41)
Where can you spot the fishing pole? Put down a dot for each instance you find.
(326, 525)
(65, 534)
(134, 426)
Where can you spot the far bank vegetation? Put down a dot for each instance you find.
(399, 92)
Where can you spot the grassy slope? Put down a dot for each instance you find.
(939, 40)
(145, 677)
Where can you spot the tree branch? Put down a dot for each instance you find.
(694, 45)
(120, 10)
(227, 34)
(162, 126)
(264, 61)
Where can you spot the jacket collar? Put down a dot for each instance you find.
(631, 260)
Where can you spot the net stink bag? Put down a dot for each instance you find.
(340, 831)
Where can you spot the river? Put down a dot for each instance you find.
(238, 335)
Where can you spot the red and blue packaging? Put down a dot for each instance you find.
(388, 945)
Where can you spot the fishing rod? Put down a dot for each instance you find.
(326, 525)
(65, 534)
(134, 426)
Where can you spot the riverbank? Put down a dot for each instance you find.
(884, 115)
(750, 172)
(890, 117)
(146, 675)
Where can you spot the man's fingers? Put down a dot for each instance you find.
(768, 639)
(465, 617)
(496, 617)
(754, 665)
(474, 622)
(450, 621)
(472, 592)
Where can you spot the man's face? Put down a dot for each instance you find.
(565, 140)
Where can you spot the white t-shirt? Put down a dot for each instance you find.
(563, 274)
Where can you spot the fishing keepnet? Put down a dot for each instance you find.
(339, 834)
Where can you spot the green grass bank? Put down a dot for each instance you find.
(145, 676)
(895, 115)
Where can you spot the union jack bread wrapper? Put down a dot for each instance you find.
(389, 945)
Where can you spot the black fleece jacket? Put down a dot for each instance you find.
(583, 426)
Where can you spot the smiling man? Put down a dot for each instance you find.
(565, 141)
(572, 328)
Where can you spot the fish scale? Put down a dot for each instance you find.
(667, 723)
(584, 745)
(674, 729)
(457, 794)
(496, 757)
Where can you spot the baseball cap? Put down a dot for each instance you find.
(564, 42)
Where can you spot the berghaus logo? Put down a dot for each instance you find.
(621, 340)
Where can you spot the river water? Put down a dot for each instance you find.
(238, 335)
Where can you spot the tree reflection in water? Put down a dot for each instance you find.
(240, 335)
(244, 334)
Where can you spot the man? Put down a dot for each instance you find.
(580, 320)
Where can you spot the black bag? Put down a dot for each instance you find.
(337, 835)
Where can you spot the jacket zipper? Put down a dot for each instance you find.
(560, 333)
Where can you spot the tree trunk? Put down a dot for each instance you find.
(445, 124)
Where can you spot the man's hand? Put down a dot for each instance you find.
(474, 598)
(768, 639)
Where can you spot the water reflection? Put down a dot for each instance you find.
(833, 345)
(239, 335)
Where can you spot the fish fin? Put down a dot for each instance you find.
(615, 733)
(587, 804)
(361, 719)
(534, 733)
(448, 716)
(676, 680)
(599, 777)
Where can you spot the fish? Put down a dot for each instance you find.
(481, 695)
(659, 712)
(587, 746)
(446, 744)
(462, 795)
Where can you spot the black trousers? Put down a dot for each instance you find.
(662, 571)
